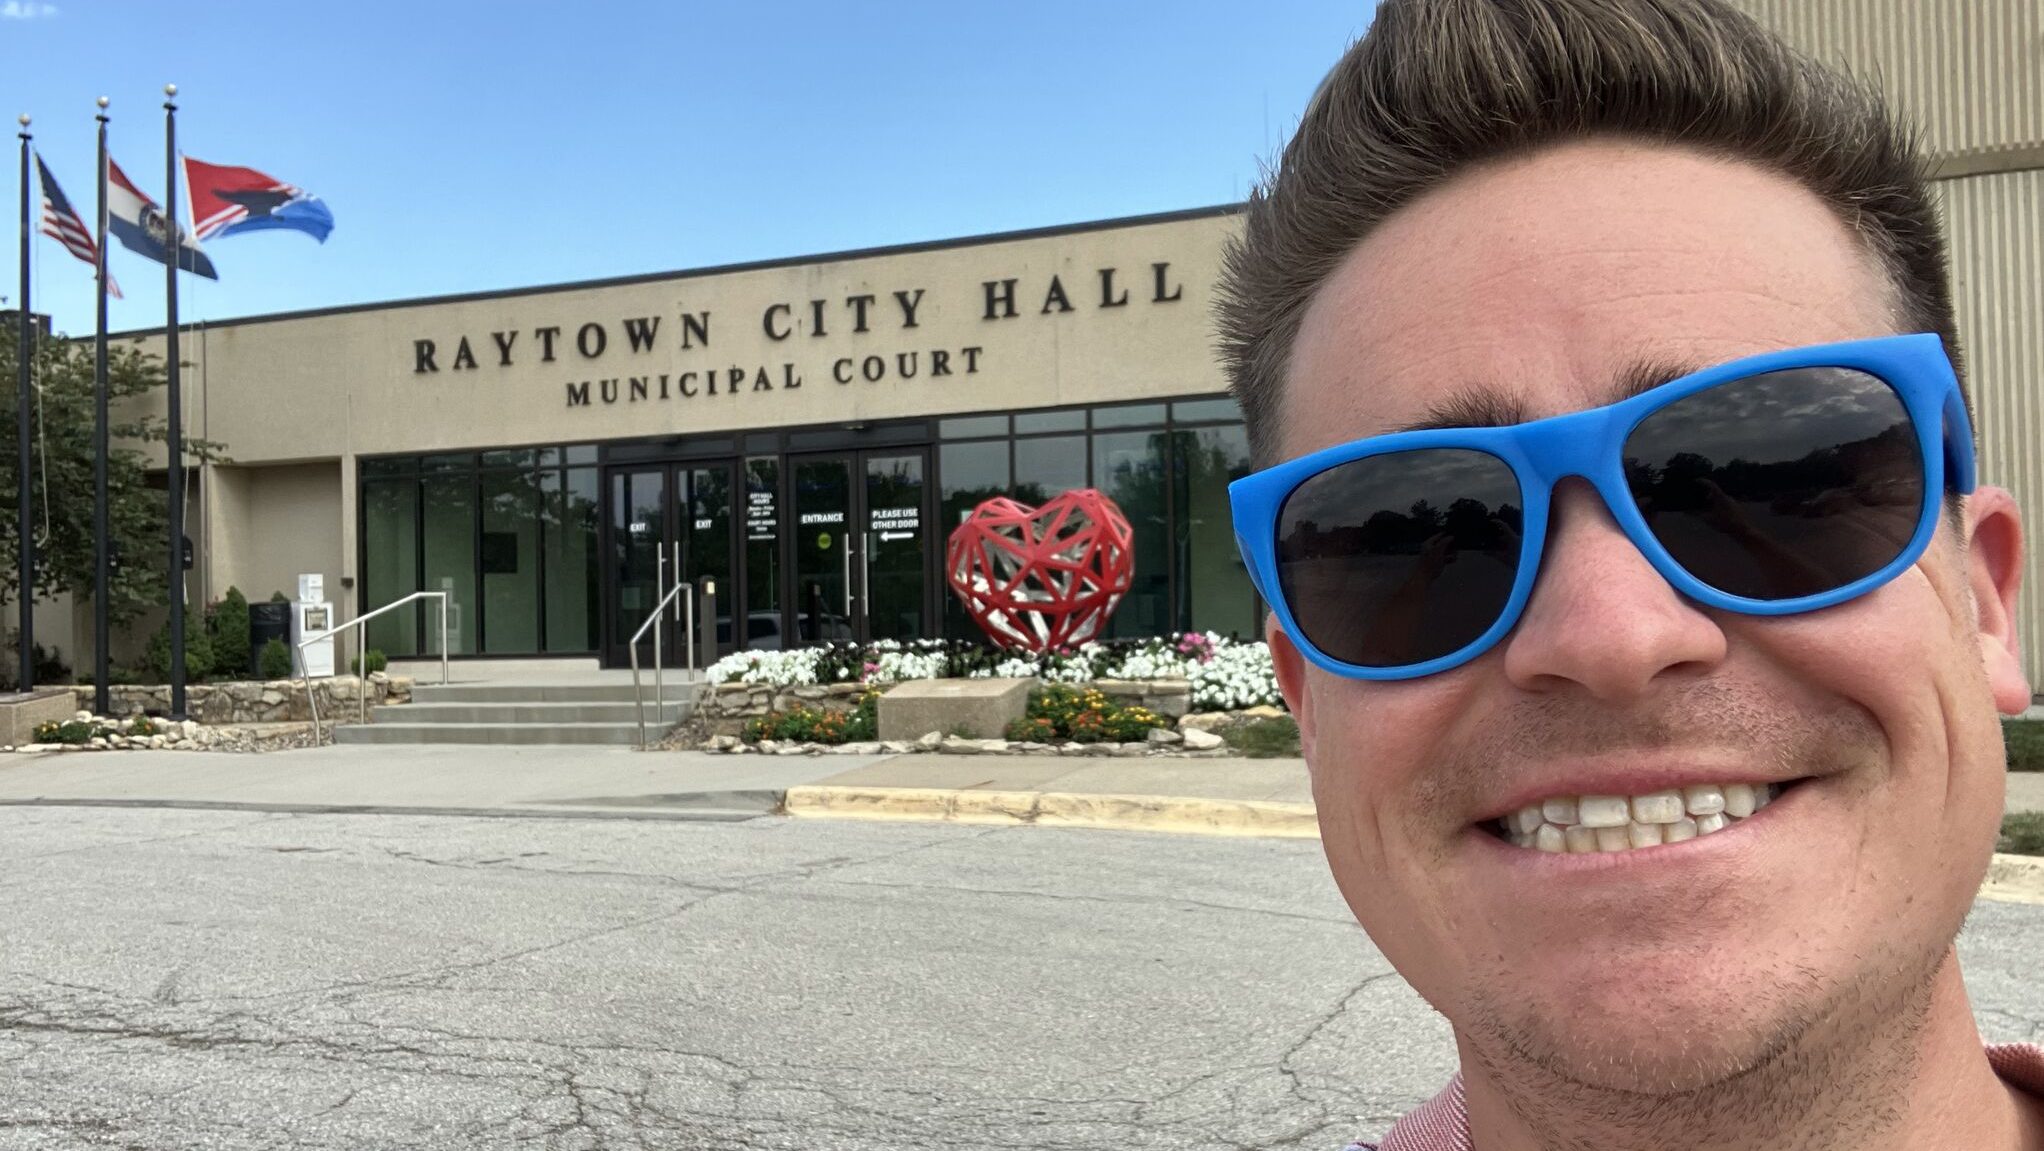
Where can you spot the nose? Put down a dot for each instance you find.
(1601, 620)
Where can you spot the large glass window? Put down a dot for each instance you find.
(1049, 466)
(973, 473)
(390, 570)
(510, 561)
(571, 519)
(450, 554)
(1214, 592)
(1129, 468)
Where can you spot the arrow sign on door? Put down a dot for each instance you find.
(886, 536)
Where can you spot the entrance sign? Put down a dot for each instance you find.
(1042, 578)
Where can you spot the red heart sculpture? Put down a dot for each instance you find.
(1042, 578)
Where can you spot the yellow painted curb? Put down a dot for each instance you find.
(2010, 878)
(1057, 809)
(2015, 879)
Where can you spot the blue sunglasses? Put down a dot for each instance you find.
(1771, 485)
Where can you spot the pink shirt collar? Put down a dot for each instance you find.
(1442, 1123)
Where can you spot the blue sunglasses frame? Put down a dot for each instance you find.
(1590, 444)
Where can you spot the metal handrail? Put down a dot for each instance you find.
(361, 649)
(632, 647)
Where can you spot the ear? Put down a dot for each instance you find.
(1994, 562)
(1290, 667)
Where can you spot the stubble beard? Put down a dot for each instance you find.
(1825, 1065)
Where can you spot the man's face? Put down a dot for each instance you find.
(1544, 280)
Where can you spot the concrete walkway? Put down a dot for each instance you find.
(594, 780)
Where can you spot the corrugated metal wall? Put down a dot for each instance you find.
(1972, 73)
(1996, 225)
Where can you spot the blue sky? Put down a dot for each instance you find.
(468, 147)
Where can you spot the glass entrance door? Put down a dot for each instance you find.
(861, 549)
(822, 524)
(670, 522)
(640, 549)
(893, 558)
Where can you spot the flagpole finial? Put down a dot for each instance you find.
(170, 90)
(24, 119)
(103, 102)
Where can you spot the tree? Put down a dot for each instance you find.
(61, 474)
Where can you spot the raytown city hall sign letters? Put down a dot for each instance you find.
(604, 350)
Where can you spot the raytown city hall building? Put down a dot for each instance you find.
(806, 432)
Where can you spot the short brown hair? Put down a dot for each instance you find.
(1437, 86)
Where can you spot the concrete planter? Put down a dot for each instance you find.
(22, 712)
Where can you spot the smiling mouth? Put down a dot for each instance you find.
(1588, 824)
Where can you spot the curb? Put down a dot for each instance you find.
(2015, 879)
(2010, 878)
(1057, 809)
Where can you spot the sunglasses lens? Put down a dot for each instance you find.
(1781, 486)
(1399, 559)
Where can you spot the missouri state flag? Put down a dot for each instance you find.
(140, 226)
(228, 201)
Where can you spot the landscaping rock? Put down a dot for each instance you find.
(1263, 711)
(1164, 736)
(896, 747)
(957, 746)
(1205, 720)
(1196, 740)
(861, 748)
(930, 741)
(1125, 750)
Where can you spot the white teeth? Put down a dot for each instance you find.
(1580, 825)
(1603, 811)
(1703, 799)
(1660, 807)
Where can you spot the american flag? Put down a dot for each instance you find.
(62, 224)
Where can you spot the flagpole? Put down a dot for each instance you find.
(102, 569)
(177, 442)
(26, 566)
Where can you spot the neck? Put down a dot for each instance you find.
(1917, 1076)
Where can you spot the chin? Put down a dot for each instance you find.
(1653, 1019)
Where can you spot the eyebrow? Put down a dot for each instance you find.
(1492, 406)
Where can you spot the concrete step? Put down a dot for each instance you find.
(674, 688)
(496, 733)
(663, 714)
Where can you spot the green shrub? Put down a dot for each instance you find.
(66, 731)
(279, 597)
(141, 725)
(2025, 739)
(375, 657)
(2022, 833)
(198, 651)
(1061, 712)
(230, 635)
(1031, 729)
(801, 724)
(275, 661)
(1265, 738)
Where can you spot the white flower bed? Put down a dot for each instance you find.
(1225, 675)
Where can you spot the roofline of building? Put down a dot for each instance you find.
(713, 270)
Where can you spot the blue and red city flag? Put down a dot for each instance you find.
(228, 201)
(62, 223)
(138, 223)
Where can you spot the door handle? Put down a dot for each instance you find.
(677, 579)
(848, 577)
